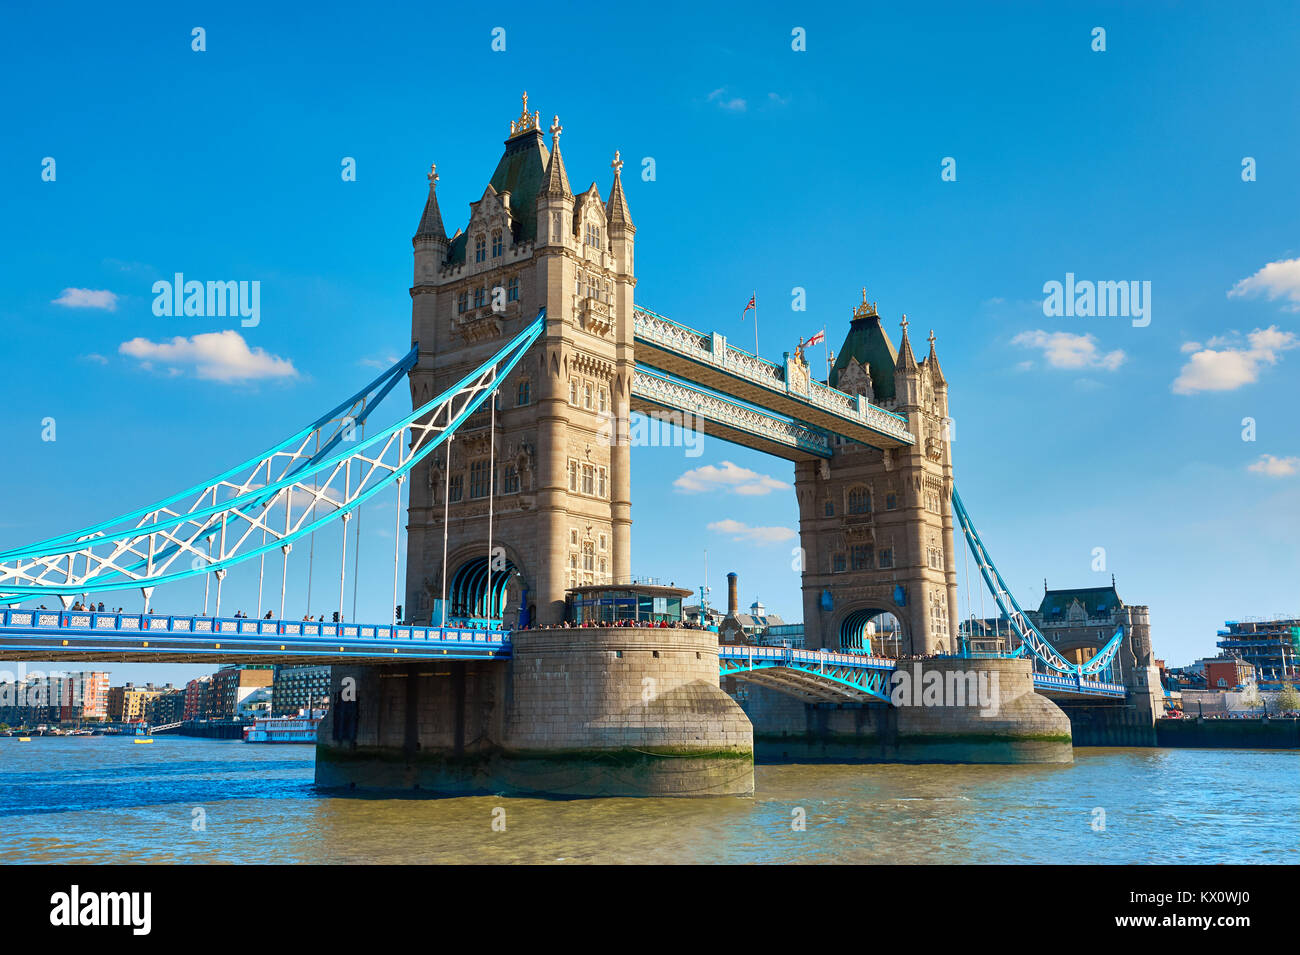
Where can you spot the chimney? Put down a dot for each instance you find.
(733, 595)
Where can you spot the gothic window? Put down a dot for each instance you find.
(586, 395)
(555, 225)
(604, 567)
(601, 475)
(480, 249)
(839, 564)
(602, 541)
(830, 508)
(511, 480)
(581, 283)
(860, 556)
(573, 392)
(462, 302)
(498, 246)
(573, 477)
(886, 558)
(891, 501)
(859, 501)
(588, 479)
(573, 536)
(512, 289)
(480, 296)
(603, 402)
(593, 235)
(457, 487)
(588, 555)
(478, 479)
(522, 396)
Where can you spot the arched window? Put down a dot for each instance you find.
(480, 296)
(555, 227)
(573, 392)
(522, 396)
(603, 402)
(512, 289)
(480, 249)
(462, 302)
(498, 245)
(859, 501)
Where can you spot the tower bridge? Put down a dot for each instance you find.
(529, 357)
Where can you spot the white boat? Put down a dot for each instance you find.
(283, 729)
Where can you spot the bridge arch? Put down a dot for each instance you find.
(852, 625)
(467, 587)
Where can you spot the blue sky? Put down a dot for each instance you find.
(775, 169)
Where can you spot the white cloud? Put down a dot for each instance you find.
(215, 356)
(378, 362)
(1067, 350)
(759, 535)
(1277, 280)
(1228, 368)
(96, 358)
(720, 98)
(1276, 467)
(87, 298)
(728, 477)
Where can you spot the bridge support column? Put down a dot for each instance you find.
(620, 711)
(1007, 723)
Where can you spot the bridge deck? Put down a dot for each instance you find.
(85, 636)
(720, 416)
(709, 361)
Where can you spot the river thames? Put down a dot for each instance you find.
(109, 800)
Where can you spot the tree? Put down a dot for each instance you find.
(1288, 700)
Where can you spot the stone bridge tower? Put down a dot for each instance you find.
(562, 493)
(876, 525)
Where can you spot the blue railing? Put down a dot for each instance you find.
(86, 622)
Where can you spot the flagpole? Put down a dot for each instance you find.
(754, 299)
(826, 347)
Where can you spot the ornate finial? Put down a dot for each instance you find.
(617, 164)
(866, 309)
(931, 338)
(526, 122)
(556, 129)
(903, 323)
(433, 175)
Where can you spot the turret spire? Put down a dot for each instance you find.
(616, 211)
(906, 360)
(932, 362)
(431, 221)
(555, 182)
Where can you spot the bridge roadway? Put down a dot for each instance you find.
(789, 390)
(819, 676)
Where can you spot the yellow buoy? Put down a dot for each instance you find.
(143, 741)
(24, 739)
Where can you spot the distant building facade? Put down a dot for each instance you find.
(232, 685)
(300, 688)
(1271, 646)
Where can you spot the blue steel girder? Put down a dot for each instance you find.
(722, 416)
(814, 676)
(335, 475)
(788, 389)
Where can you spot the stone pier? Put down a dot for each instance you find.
(1021, 726)
(577, 712)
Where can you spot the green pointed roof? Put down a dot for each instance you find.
(521, 171)
(1093, 600)
(868, 343)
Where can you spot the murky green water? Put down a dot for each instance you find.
(110, 800)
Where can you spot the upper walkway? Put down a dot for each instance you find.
(788, 390)
(86, 636)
